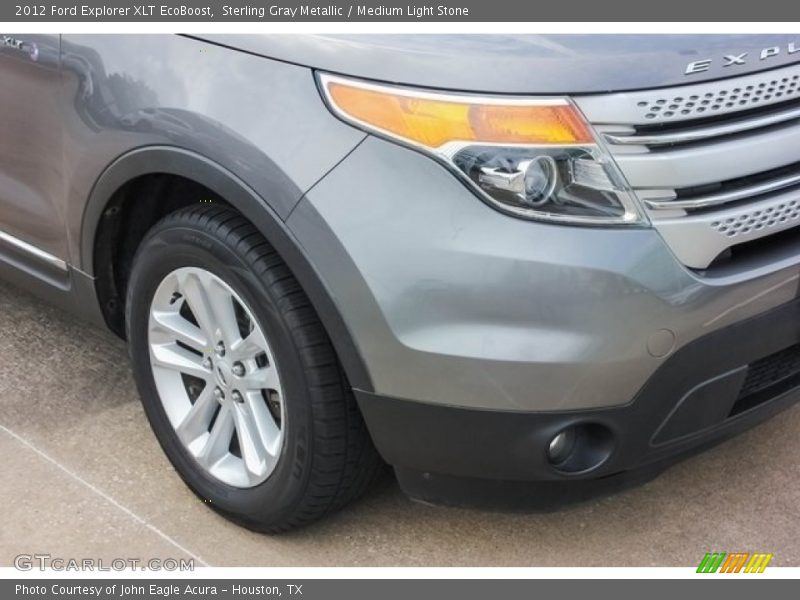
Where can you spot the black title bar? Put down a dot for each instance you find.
(391, 10)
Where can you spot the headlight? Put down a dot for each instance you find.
(531, 157)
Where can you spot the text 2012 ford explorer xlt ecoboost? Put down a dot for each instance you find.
(515, 268)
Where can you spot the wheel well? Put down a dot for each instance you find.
(122, 208)
(127, 217)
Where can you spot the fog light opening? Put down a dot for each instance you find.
(580, 448)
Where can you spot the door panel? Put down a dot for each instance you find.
(31, 174)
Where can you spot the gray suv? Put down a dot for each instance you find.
(521, 270)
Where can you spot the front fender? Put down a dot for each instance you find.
(260, 119)
(184, 163)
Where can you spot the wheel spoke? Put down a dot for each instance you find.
(268, 430)
(265, 378)
(196, 421)
(181, 330)
(222, 307)
(250, 346)
(212, 306)
(172, 356)
(254, 453)
(219, 439)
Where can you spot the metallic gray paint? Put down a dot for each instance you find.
(31, 166)
(519, 64)
(454, 303)
(428, 293)
(261, 120)
(253, 130)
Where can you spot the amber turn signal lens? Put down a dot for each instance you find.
(432, 120)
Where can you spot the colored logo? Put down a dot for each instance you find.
(735, 562)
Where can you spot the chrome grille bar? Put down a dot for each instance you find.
(704, 133)
(742, 193)
(716, 161)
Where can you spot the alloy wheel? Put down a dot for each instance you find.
(216, 377)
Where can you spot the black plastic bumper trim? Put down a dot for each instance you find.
(434, 447)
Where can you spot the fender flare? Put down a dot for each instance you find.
(170, 160)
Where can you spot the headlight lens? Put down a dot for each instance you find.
(567, 183)
(531, 157)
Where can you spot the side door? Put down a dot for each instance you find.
(32, 229)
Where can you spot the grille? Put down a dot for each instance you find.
(730, 98)
(725, 192)
(701, 100)
(688, 132)
(715, 164)
(772, 216)
(769, 377)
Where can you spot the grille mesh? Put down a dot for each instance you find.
(772, 216)
(767, 378)
(771, 369)
(723, 100)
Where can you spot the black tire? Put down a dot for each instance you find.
(328, 458)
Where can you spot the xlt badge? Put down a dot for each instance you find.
(9, 42)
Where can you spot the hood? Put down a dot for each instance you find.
(525, 64)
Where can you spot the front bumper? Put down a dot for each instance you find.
(709, 390)
(485, 335)
(451, 303)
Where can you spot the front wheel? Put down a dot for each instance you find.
(238, 378)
